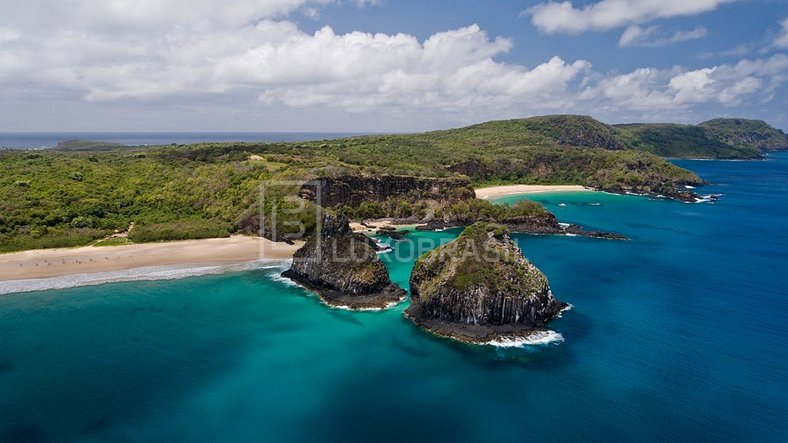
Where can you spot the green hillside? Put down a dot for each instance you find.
(681, 141)
(746, 133)
(56, 198)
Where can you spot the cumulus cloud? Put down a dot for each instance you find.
(782, 39)
(652, 37)
(243, 48)
(564, 17)
(248, 56)
(731, 85)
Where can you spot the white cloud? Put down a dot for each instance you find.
(782, 39)
(247, 59)
(557, 17)
(651, 36)
(731, 85)
(274, 61)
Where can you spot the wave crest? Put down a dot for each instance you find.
(137, 274)
(537, 338)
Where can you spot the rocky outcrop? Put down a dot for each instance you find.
(480, 288)
(542, 224)
(353, 190)
(343, 268)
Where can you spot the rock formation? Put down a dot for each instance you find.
(353, 190)
(480, 288)
(343, 268)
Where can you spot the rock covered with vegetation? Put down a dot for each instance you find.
(343, 268)
(746, 133)
(480, 288)
(525, 216)
(354, 190)
(682, 141)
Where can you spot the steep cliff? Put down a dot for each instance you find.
(343, 268)
(353, 190)
(480, 288)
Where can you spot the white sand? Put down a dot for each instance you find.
(500, 191)
(45, 263)
(378, 224)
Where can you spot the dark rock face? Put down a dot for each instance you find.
(546, 224)
(480, 288)
(343, 268)
(352, 190)
(578, 230)
(393, 233)
(472, 168)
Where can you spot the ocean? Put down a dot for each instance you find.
(676, 335)
(42, 140)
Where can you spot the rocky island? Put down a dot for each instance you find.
(343, 268)
(480, 288)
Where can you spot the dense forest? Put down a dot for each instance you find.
(75, 195)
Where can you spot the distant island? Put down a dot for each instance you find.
(84, 191)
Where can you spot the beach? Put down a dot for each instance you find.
(371, 227)
(500, 191)
(46, 263)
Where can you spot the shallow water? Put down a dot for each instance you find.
(678, 334)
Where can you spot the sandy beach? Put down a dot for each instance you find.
(45, 263)
(373, 226)
(500, 191)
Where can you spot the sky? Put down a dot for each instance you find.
(385, 65)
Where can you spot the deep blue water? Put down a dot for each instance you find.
(677, 335)
(37, 140)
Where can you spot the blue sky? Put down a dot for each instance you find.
(385, 65)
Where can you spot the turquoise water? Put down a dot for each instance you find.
(679, 334)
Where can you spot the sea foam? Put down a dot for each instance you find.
(389, 305)
(537, 338)
(136, 274)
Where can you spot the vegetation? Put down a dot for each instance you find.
(114, 241)
(476, 260)
(683, 141)
(746, 133)
(87, 146)
(66, 198)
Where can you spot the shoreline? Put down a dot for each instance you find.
(39, 265)
(52, 263)
(507, 190)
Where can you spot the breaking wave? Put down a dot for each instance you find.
(137, 274)
(537, 338)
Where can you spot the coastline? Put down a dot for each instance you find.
(51, 263)
(41, 264)
(505, 190)
(372, 226)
